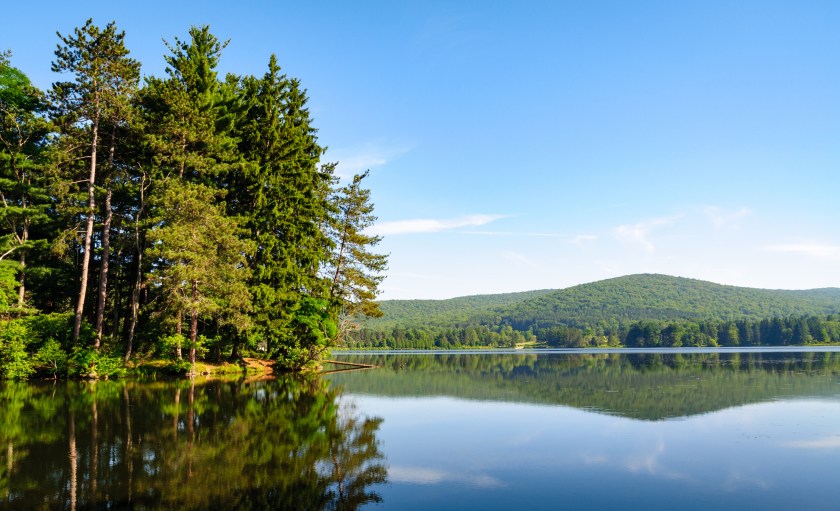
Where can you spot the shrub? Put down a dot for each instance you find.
(15, 363)
(87, 362)
(53, 357)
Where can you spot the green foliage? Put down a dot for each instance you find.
(168, 344)
(188, 204)
(180, 367)
(314, 329)
(287, 443)
(282, 194)
(636, 311)
(356, 270)
(57, 327)
(200, 257)
(661, 297)
(15, 362)
(91, 363)
(645, 386)
(52, 356)
(8, 285)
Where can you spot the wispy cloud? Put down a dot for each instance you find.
(639, 233)
(720, 217)
(580, 239)
(519, 259)
(420, 475)
(515, 233)
(367, 156)
(422, 225)
(815, 250)
(829, 442)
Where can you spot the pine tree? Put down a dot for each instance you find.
(23, 132)
(187, 125)
(356, 271)
(284, 194)
(201, 267)
(104, 76)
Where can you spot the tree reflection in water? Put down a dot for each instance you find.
(289, 443)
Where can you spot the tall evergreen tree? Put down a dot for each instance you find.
(187, 132)
(284, 194)
(25, 201)
(104, 75)
(201, 268)
(356, 271)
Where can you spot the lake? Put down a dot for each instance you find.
(689, 429)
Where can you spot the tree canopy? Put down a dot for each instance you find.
(196, 209)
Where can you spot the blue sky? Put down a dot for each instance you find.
(528, 145)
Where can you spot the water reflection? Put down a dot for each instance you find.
(606, 431)
(280, 444)
(646, 386)
(461, 431)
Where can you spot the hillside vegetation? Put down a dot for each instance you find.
(445, 312)
(661, 297)
(635, 310)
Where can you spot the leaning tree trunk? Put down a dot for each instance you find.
(106, 246)
(103, 270)
(80, 304)
(138, 275)
(22, 278)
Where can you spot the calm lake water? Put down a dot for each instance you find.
(685, 430)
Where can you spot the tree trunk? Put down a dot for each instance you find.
(74, 462)
(94, 446)
(193, 325)
(338, 262)
(177, 414)
(22, 277)
(103, 270)
(178, 331)
(128, 454)
(10, 457)
(138, 275)
(106, 246)
(80, 305)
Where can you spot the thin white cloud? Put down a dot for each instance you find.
(420, 475)
(580, 239)
(367, 156)
(519, 259)
(595, 459)
(720, 217)
(815, 250)
(514, 233)
(829, 442)
(639, 233)
(423, 225)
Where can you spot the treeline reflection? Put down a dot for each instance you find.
(280, 444)
(646, 386)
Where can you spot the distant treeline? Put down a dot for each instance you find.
(777, 331)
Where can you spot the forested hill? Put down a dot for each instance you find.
(628, 298)
(662, 297)
(446, 312)
(635, 310)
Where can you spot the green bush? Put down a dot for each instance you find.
(15, 363)
(89, 363)
(53, 357)
(58, 327)
(167, 345)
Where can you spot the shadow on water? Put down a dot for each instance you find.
(288, 443)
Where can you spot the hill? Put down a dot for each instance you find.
(662, 297)
(445, 312)
(635, 310)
